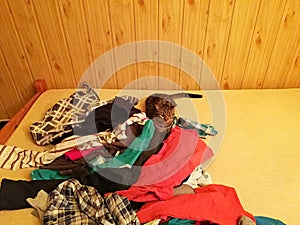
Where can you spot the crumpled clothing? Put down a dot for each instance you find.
(203, 130)
(198, 178)
(45, 174)
(106, 117)
(130, 155)
(120, 130)
(61, 118)
(263, 220)
(14, 158)
(76, 204)
(39, 203)
(215, 203)
(181, 153)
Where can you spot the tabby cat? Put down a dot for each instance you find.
(161, 108)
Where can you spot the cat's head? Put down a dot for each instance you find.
(161, 109)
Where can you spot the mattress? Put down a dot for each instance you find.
(256, 148)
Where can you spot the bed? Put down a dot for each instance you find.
(256, 148)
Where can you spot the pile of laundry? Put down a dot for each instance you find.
(108, 163)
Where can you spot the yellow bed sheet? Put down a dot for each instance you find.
(259, 152)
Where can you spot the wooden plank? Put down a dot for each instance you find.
(75, 31)
(265, 33)
(217, 36)
(13, 57)
(100, 39)
(146, 34)
(285, 47)
(3, 114)
(11, 100)
(49, 20)
(193, 38)
(293, 74)
(238, 48)
(26, 24)
(3, 79)
(188, 82)
(170, 27)
(123, 32)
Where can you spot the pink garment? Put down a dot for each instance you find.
(75, 153)
(181, 153)
(215, 203)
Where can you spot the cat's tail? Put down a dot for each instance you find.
(185, 95)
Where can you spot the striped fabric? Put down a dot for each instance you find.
(13, 158)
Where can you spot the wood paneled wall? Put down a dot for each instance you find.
(246, 44)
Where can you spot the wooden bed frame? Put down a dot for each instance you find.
(40, 87)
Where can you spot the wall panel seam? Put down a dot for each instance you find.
(20, 42)
(43, 45)
(251, 41)
(65, 39)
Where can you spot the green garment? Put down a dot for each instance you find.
(44, 174)
(135, 149)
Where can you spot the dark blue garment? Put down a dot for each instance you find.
(262, 220)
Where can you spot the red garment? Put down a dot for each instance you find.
(75, 153)
(215, 203)
(181, 153)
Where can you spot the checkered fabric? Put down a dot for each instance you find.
(76, 204)
(120, 209)
(203, 130)
(60, 119)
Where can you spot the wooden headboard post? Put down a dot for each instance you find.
(40, 87)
